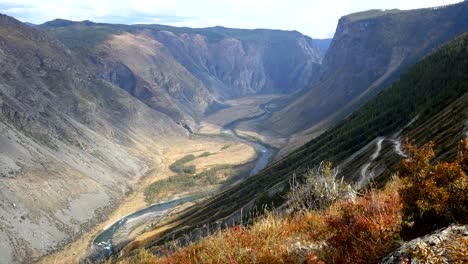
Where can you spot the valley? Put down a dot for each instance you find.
(125, 143)
(134, 215)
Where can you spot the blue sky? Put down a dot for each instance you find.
(316, 18)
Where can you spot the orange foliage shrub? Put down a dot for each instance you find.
(433, 196)
(364, 231)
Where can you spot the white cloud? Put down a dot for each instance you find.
(317, 18)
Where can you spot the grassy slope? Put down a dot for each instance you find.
(438, 84)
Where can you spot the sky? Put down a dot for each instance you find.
(315, 18)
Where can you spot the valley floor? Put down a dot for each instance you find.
(237, 153)
(222, 151)
(250, 109)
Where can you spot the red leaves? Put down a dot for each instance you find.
(433, 196)
(362, 232)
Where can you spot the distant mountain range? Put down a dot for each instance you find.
(186, 72)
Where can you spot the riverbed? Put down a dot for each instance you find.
(103, 246)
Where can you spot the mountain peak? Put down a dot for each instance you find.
(58, 22)
(6, 20)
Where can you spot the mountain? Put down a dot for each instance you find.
(187, 73)
(427, 103)
(87, 109)
(369, 51)
(71, 144)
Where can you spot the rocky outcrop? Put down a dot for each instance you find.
(437, 247)
(140, 65)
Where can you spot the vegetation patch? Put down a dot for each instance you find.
(220, 174)
(226, 146)
(179, 165)
(205, 154)
(371, 224)
(433, 195)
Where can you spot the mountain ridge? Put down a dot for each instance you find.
(366, 55)
(218, 63)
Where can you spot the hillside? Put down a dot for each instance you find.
(369, 51)
(71, 144)
(422, 100)
(187, 73)
(324, 221)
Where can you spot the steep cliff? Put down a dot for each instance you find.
(368, 52)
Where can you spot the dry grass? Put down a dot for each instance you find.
(238, 153)
(352, 232)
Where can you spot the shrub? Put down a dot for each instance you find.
(187, 181)
(363, 231)
(189, 169)
(166, 187)
(319, 189)
(433, 196)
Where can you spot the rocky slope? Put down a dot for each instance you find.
(368, 52)
(71, 143)
(187, 73)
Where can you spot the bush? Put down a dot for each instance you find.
(433, 196)
(319, 189)
(363, 231)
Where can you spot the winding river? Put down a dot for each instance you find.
(102, 245)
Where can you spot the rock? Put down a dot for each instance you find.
(436, 241)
